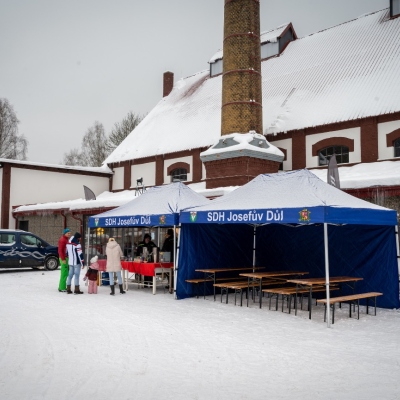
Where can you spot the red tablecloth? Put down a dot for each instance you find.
(102, 265)
(146, 269)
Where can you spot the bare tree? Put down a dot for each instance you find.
(122, 129)
(93, 149)
(96, 146)
(74, 157)
(12, 145)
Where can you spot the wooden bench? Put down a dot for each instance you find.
(197, 281)
(288, 291)
(352, 299)
(239, 286)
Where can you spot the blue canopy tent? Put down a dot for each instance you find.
(159, 206)
(281, 221)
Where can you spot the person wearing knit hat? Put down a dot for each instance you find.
(75, 262)
(91, 275)
(62, 254)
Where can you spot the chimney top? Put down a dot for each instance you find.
(168, 83)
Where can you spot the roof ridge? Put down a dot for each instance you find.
(345, 22)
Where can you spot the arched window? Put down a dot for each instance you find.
(179, 175)
(396, 145)
(341, 152)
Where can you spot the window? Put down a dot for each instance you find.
(216, 68)
(341, 153)
(179, 175)
(7, 239)
(29, 240)
(396, 145)
(23, 225)
(269, 49)
(394, 7)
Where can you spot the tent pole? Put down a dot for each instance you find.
(88, 245)
(397, 249)
(254, 246)
(328, 307)
(175, 260)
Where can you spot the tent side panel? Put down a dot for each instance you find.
(368, 252)
(363, 251)
(205, 246)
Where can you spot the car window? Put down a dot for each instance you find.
(29, 240)
(7, 239)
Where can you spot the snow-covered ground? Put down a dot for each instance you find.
(140, 346)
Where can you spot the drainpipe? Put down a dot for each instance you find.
(16, 220)
(80, 220)
(65, 218)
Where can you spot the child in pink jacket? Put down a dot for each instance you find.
(91, 275)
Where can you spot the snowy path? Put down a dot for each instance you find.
(140, 346)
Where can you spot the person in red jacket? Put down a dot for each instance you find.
(62, 254)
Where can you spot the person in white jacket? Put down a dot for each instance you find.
(75, 262)
(114, 254)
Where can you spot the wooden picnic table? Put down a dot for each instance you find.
(210, 273)
(271, 274)
(310, 282)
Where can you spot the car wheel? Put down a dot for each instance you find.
(51, 263)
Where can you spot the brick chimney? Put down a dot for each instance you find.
(242, 153)
(241, 79)
(168, 83)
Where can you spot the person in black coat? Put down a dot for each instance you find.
(146, 242)
(168, 245)
(149, 244)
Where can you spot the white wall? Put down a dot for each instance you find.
(118, 179)
(351, 133)
(35, 186)
(383, 129)
(287, 145)
(146, 171)
(187, 160)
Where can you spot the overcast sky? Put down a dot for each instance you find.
(66, 64)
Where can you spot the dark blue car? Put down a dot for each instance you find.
(20, 249)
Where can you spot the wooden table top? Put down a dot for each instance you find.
(272, 274)
(214, 270)
(321, 281)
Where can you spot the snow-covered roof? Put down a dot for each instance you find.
(385, 173)
(343, 73)
(249, 144)
(217, 56)
(273, 34)
(103, 200)
(101, 170)
(111, 200)
(339, 74)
